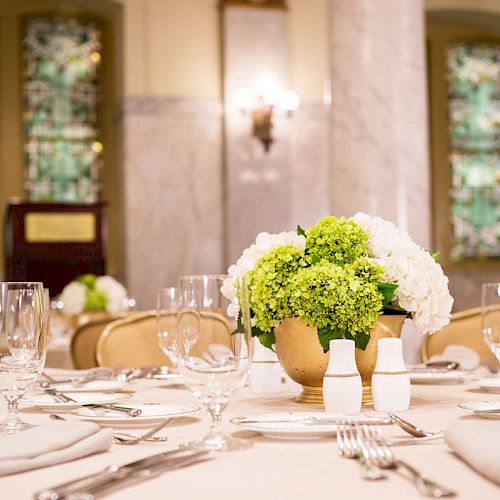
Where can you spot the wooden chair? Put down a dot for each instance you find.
(132, 342)
(464, 329)
(84, 341)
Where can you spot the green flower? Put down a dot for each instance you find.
(342, 302)
(88, 280)
(336, 240)
(95, 300)
(268, 284)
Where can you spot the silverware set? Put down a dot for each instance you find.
(116, 475)
(367, 444)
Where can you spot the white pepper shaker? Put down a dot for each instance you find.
(391, 387)
(342, 383)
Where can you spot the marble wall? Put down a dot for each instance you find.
(173, 192)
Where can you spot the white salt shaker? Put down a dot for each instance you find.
(391, 388)
(342, 383)
(265, 373)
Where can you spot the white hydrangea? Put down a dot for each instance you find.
(422, 286)
(115, 292)
(263, 243)
(73, 297)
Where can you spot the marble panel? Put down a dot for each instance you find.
(173, 192)
(379, 146)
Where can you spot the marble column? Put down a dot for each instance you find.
(379, 146)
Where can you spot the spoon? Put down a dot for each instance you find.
(413, 429)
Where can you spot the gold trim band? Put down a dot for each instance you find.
(341, 375)
(404, 372)
(265, 362)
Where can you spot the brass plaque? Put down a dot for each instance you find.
(78, 227)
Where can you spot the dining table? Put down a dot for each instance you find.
(274, 468)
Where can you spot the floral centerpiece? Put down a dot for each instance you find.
(339, 276)
(91, 293)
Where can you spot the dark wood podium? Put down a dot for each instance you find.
(54, 242)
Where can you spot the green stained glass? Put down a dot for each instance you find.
(474, 143)
(61, 91)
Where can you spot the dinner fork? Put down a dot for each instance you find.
(383, 456)
(351, 445)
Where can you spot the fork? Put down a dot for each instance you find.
(384, 457)
(351, 445)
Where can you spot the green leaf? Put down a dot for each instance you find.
(326, 334)
(300, 231)
(267, 339)
(435, 256)
(387, 290)
(362, 340)
(239, 325)
(315, 259)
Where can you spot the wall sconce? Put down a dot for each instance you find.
(261, 104)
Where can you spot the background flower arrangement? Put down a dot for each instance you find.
(339, 276)
(91, 293)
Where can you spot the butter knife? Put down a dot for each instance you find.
(113, 475)
(132, 412)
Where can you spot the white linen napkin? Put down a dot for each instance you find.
(477, 443)
(51, 444)
(467, 358)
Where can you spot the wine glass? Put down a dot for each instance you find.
(214, 351)
(490, 316)
(22, 346)
(166, 322)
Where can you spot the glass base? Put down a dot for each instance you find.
(218, 442)
(7, 427)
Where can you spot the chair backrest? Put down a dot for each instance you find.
(84, 341)
(464, 329)
(132, 342)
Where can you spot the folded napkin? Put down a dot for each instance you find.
(463, 355)
(51, 444)
(477, 442)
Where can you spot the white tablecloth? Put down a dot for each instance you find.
(274, 469)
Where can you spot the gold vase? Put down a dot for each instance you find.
(304, 361)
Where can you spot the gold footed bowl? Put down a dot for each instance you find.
(304, 361)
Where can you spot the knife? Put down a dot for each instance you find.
(132, 412)
(114, 474)
(491, 410)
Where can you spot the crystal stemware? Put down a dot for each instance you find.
(214, 352)
(22, 345)
(490, 316)
(166, 322)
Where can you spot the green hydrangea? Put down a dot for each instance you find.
(336, 240)
(95, 300)
(338, 300)
(269, 285)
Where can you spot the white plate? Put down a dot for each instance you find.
(272, 425)
(171, 378)
(478, 406)
(151, 414)
(433, 377)
(47, 402)
(489, 384)
(93, 386)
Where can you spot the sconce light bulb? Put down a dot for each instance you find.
(244, 99)
(290, 100)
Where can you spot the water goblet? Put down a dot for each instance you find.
(22, 346)
(166, 322)
(490, 316)
(214, 352)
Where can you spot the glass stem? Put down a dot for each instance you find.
(215, 413)
(12, 419)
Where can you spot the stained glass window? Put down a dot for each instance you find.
(61, 91)
(474, 143)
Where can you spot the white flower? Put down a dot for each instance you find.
(248, 260)
(422, 286)
(115, 292)
(73, 297)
